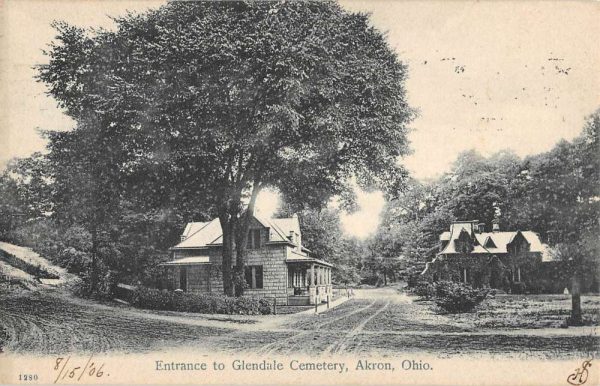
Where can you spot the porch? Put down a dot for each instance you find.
(309, 281)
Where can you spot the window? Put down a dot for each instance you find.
(516, 275)
(489, 243)
(183, 278)
(254, 276)
(254, 239)
(465, 275)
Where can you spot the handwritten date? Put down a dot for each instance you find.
(72, 370)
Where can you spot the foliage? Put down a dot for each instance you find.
(210, 102)
(322, 234)
(457, 297)
(103, 286)
(424, 290)
(202, 303)
(553, 193)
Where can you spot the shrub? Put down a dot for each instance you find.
(518, 288)
(264, 307)
(155, 299)
(424, 290)
(104, 286)
(457, 297)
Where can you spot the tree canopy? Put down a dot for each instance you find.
(556, 193)
(213, 101)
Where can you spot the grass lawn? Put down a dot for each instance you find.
(528, 311)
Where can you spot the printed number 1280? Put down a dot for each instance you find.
(28, 377)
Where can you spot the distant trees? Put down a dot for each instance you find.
(322, 234)
(560, 197)
(556, 193)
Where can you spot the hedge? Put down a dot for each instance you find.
(155, 299)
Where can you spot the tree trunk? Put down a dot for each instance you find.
(93, 270)
(227, 253)
(242, 241)
(576, 319)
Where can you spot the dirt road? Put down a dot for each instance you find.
(377, 321)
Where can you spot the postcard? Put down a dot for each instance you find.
(299, 192)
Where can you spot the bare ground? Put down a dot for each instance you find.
(377, 321)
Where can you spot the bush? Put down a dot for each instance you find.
(104, 286)
(457, 297)
(518, 288)
(424, 290)
(154, 299)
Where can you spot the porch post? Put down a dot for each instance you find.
(320, 275)
(311, 281)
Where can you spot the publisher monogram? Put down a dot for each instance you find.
(579, 377)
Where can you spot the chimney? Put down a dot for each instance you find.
(496, 226)
(481, 227)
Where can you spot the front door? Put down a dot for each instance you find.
(183, 278)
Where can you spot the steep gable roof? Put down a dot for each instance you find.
(489, 242)
(202, 236)
(192, 227)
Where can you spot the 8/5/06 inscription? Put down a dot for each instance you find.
(73, 370)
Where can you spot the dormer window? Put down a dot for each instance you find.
(489, 243)
(254, 239)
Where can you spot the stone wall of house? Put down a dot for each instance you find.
(495, 271)
(270, 257)
(275, 279)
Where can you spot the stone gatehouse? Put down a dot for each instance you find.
(505, 260)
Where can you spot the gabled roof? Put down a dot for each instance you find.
(201, 234)
(206, 234)
(488, 242)
(192, 227)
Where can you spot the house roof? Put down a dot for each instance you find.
(192, 227)
(456, 228)
(206, 234)
(189, 261)
(301, 258)
(499, 239)
(199, 235)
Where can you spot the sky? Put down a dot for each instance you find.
(483, 75)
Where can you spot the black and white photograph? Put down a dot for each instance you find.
(299, 192)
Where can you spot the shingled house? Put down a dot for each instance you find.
(277, 265)
(498, 259)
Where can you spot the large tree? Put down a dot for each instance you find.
(226, 98)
